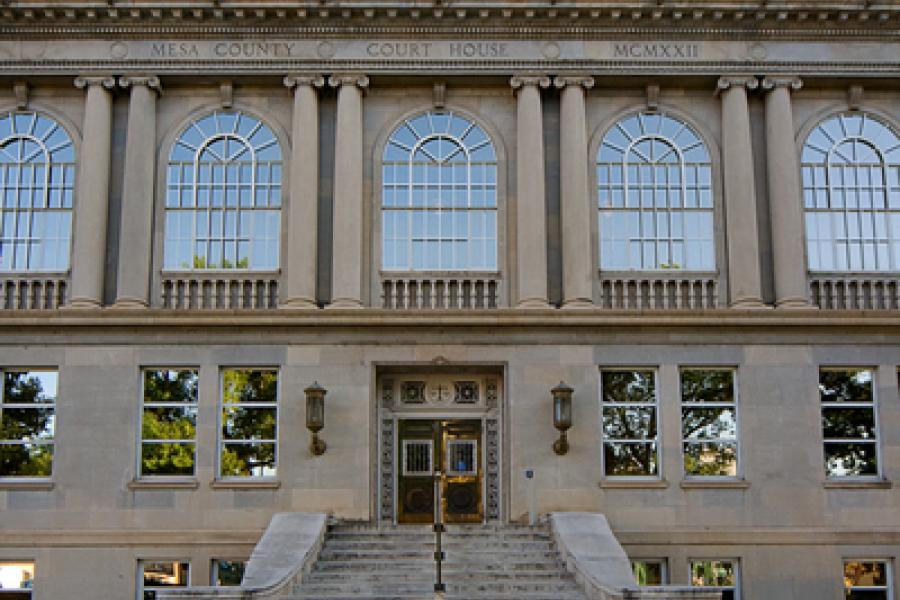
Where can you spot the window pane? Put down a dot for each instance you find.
(851, 459)
(167, 459)
(26, 460)
(244, 385)
(630, 459)
(713, 573)
(854, 423)
(850, 385)
(865, 574)
(707, 386)
(628, 386)
(708, 423)
(248, 423)
(710, 459)
(248, 460)
(629, 423)
(165, 574)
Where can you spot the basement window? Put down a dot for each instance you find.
(867, 580)
(717, 574)
(16, 580)
(158, 575)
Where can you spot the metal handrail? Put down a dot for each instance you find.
(439, 557)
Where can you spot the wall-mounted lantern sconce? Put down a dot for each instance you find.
(562, 415)
(315, 416)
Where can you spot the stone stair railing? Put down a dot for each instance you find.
(592, 552)
(286, 551)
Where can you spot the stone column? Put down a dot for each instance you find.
(92, 194)
(133, 285)
(575, 198)
(785, 210)
(346, 275)
(300, 269)
(531, 219)
(744, 282)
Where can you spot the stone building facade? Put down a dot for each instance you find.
(683, 210)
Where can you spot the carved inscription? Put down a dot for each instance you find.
(656, 50)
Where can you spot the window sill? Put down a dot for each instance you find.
(714, 484)
(879, 484)
(227, 484)
(41, 485)
(163, 484)
(631, 484)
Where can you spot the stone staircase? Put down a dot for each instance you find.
(397, 563)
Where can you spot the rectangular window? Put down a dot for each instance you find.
(169, 422)
(249, 433)
(16, 580)
(849, 423)
(718, 575)
(225, 572)
(650, 571)
(709, 428)
(159, 575)
(27, 422)
(867, 580)
(630, 433)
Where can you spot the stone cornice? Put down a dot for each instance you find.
(860, 18)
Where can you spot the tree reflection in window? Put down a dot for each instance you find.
(655, 195)
(249, 433)
(439, 196)
(851, 194)
(630, 437)
(849, 423)
(37, 182)
(27, 423)
(169, 422)
(709, 423)
(223, 195)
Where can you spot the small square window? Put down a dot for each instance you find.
(650, 571)
(158, 575)
(16, 580)
(717, 574)
(226, 572)
(867, 579)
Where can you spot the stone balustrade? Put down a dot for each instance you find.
(849, 291)
(678, 291)
(33, 292)
(219, 291)
(440, 291)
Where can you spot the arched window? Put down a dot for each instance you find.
(439, 196)
(37, 176)
(223, 195)
(654, 181)
(851, 193)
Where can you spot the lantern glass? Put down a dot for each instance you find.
(562, 407)
(315, 408)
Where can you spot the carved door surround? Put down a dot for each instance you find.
(438, 395)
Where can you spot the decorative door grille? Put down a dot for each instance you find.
(417, 455)
(462, 458)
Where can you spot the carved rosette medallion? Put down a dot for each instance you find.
(412, 392)
(387, 393)
(466, 392)
(491, 395)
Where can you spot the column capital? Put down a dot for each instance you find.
(360, 80)
(785, 81)
(84, 81)
(151, 81)
(520, 81)
(585, 81)
(728, 81)
(297, 80)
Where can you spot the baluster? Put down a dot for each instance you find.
(4, 287)
(420, 293)
(704, 294)
(448, 283)
(432, 295)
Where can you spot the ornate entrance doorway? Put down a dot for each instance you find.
(446, 423)
(449, 448)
